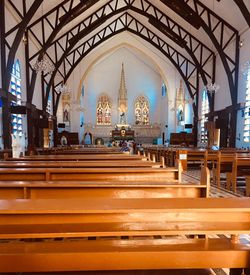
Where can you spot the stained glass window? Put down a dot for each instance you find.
(246, 137)
(103, 111)
(15, 89)
(141, 111)
(204, 110)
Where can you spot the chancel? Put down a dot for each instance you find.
(125, 137)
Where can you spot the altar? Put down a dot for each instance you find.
(122, 133)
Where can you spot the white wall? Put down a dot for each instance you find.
(244, 57)
(140, 80)
(145, 69)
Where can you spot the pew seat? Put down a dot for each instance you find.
(74, 164)
(122, 255)
(89, 234)
(92, 174)
(85, 189)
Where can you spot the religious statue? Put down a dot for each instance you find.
(122, 118)
(66, 113)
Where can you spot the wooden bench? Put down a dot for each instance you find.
(241, 167)
(247, 186)
(93, 157)
(72, 163)
(231, 164)
(86, 227)
(78, 150)
(66, 190)
(90, 174)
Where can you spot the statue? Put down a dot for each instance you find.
(122, 118)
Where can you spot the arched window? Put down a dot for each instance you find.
(204, 110)
(49, 105)
(103, 111)
(247, 110)
(163, 90)
(15, 89)
(141, 111)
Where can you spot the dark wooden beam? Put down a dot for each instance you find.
(179, 41)
(181, 8)
(244, 10)
(20, 33)
(137, 32)
(64, 20)
(195, 46)
(6, 116)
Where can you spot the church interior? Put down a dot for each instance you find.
(125, 137)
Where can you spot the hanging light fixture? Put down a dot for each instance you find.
(212, 88)
(62, 88)
(44, 65)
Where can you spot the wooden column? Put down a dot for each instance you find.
(5, 99)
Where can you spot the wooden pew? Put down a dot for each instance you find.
(74, 164)
(247, 186)
(66, 190)
(93, 157)
(78, 150)
(240, 167)
(90, 174)
(98, 218)
(226, 162)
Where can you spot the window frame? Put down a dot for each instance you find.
(246, 127)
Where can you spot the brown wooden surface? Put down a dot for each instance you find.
(140, 254)
(66, 190)
(63, 163)
(79, 157)
(122, 217)
(227, 163)
(103, 174)
(240, 167)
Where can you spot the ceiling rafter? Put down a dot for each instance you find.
(17, 39)
(244, 10)
(221, 34)
(70, 11)
(147, 9)
(127, 22)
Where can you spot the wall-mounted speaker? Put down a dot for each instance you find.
(188, 126)
(61, 125)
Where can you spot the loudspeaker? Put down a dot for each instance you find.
(21, 110)
(61, 125)
(43, 123)
(188, 126)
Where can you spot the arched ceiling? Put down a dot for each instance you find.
(189, 32)
(137, 49)
(192, 35)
